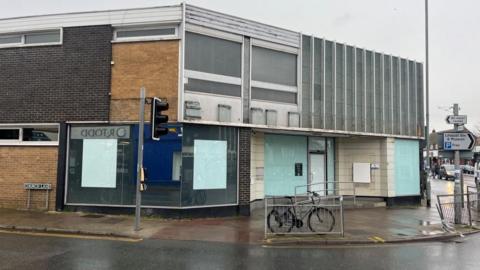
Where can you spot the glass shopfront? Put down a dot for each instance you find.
(192, 166)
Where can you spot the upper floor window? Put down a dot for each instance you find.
(274, 66)
(139, 33)
(36, 38)
(213, 55)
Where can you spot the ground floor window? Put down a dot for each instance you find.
(101, 165)
(194, 165)
(209, 165)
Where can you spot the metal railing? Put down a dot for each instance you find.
(345, 189)
(315, 215)
(458, 208)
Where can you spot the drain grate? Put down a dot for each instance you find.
(92, 216)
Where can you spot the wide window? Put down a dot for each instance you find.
(213, 65)
(138, 33)
(28, 135)
(274, 75)
(274, 66)
(31, 38)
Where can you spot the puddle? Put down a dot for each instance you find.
(424, 222)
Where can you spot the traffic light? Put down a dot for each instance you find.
(158, 106)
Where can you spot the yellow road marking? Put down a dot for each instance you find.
(77, 236)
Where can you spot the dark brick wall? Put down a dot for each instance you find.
(68, 82)
(244, 171)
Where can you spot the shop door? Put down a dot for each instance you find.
(317, 173)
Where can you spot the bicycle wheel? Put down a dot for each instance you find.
(280, 221)
(321, 220)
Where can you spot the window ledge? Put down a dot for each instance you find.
(4, 143)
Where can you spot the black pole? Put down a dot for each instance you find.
(61, 166)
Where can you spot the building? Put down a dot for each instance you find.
(255, 110)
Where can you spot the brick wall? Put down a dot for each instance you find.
(60, 82)
(22, 164)
(244, 167)
(153, 65)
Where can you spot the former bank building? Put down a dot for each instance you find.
(255, 110)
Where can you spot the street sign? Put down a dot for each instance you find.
(458, 141)
(456, 119)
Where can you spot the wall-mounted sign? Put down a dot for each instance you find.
(298, 169)
(37, 186)
(103, 132)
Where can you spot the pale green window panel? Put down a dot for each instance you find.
(99, 163)
(210, 164)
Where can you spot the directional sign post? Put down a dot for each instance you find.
(458, 141)
(456, 119)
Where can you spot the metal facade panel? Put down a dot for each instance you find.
(111, 17)
(307, 59)
(216, 20)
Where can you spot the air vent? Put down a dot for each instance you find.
(256, 116)
(224, 113)
(271, 116)
(293, 119)
(193, 110)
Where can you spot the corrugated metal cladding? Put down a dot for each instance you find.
(353, 89)
(111, 17)
(216, 20)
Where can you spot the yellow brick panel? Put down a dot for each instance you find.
(153, 65)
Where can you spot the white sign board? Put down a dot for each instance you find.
(209, 164)
(456, 119)
(458, 141)
(99, 163)
(361, 173)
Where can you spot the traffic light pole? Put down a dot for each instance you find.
(138, 200)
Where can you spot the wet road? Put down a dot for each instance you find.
(446, 186)
(46, 252)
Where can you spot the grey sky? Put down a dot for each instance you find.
(390, 26)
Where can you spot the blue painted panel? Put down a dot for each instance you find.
(407, 170)
(282, 152)
(158, 155)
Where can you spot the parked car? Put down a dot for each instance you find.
(468, 169)
(447, 172)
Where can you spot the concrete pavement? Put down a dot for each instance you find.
(372, 225)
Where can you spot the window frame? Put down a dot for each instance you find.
(275, 86)
(212, 77)
(116, 39)
(23, 44)
(21, 142)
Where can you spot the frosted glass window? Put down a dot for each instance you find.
(99, 163)
(210, 164)
(10, 39)
(274, 66)
(176, 166)
(145, 32)
(213, 55)
(43, 37)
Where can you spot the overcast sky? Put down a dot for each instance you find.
(390, 26)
